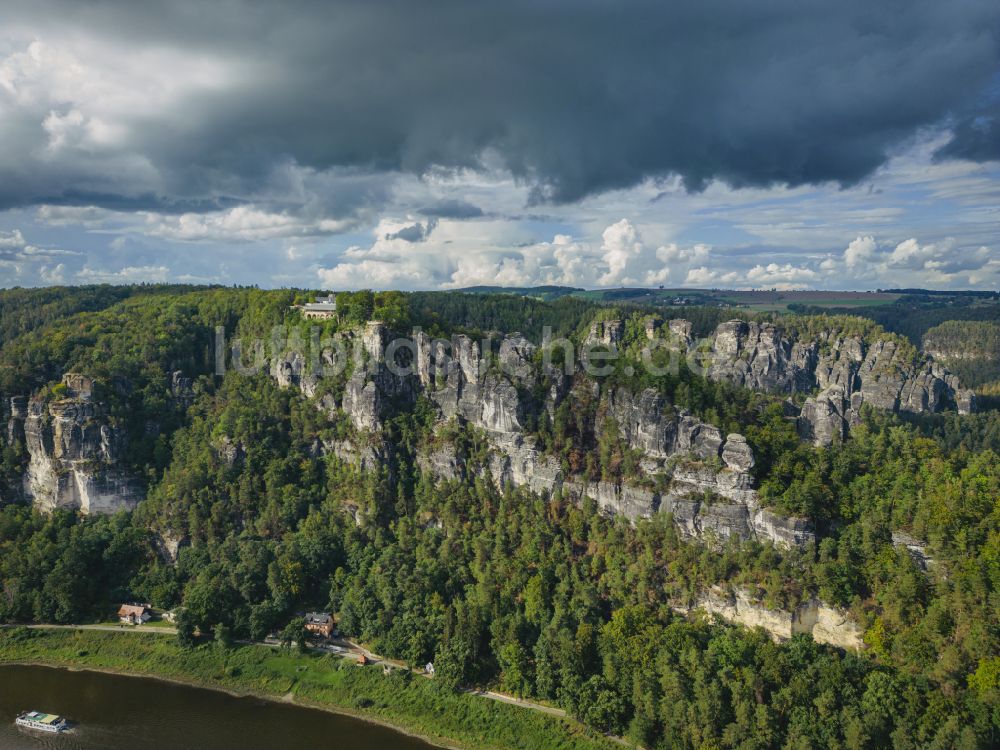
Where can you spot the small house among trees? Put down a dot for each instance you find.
(134, 614)
(319, 623)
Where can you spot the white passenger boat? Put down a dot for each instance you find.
(42, 722)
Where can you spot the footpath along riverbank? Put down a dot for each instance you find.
(318, 679)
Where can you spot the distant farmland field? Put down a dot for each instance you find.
(779, 301)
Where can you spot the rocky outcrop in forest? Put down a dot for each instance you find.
(689, 468)
(843, 372)
(686, 467)
(75, 452)
(824, 623)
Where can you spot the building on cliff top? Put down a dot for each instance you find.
(323, 307)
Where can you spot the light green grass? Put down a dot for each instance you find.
(158, 624)
(862, 302)
(410, 703)
(115, 622)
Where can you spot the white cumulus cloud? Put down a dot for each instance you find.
(861, 251)
(239, 224)
(703, 276)
(621, 245)
(785, 276)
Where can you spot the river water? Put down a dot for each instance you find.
(126, 712)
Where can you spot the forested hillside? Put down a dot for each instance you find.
(969, 348)
(264, 498)
(918, 311)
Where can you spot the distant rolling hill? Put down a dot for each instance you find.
(760, 300)
(538, 292)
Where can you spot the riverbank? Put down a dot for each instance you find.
(325, 681)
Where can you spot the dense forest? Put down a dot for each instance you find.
(536, 596)
(970, 349)
(916, 311)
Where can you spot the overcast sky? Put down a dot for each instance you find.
(440, 144)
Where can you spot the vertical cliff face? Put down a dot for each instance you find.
(606, 332)
(827, 417)
(181, 389)
(847, 372)
(758, 356)
(709, 488)
(373, 390)
(75, 452)
(689, 469)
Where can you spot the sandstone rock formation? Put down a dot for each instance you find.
(373, 388)
(168, 545)
(689, 469)
(827, 417)
(230, 453)
(181, 389)
(824, 623)
(608, 332)
(709, 489)
(758, 356)
(847, 371)
(75, 452)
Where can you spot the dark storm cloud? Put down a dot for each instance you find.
(140, 202)
(976, 137)
(452, 209)
(573, 97)
(976, 140)
(413, 232)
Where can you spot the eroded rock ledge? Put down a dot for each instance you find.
(824, 623)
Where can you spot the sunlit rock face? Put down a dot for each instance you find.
(374, 391)
(824, 623)
(846, 371)
(75, 452)
(168, 545)
(606, 332)
(758, 356)
(689, 468)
